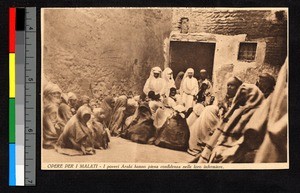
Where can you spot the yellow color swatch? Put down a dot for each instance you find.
(12, 75)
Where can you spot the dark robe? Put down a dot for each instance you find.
(117, 118)
(76, 138)
(64, 113)
(247, 100)
(100, 136)
(107, 105)
(141, 128)
(171, 129)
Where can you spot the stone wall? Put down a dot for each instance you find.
(109, 51)
(268, 28)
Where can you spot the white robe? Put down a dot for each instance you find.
(202, 128)
(154, 84)
(167, 75)
(189, 89)
(173, 103)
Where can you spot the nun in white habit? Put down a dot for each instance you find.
(189, 89)
(155, 82)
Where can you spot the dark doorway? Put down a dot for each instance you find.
(196, 55)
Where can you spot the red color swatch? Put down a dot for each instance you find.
(12, 30)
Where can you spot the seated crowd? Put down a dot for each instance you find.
(248, 125)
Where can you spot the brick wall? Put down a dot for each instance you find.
(230, 27)
(255, 23)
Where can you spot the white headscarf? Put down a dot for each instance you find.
(189, 70)
(155, 84)
(188, 85)
(155, 70)
(168, 77)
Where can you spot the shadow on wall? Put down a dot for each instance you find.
(103, 51)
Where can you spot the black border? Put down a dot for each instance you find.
(157, 181)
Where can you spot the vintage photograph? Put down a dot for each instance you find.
(164, 88)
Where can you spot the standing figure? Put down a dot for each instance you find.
(155, 83)
(178, 79)
(170, 82)
(205, 89)
(204, 79)
(189, 89)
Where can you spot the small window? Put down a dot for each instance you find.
(247, 51)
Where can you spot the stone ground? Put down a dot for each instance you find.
(122, 150)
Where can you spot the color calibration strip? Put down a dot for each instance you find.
(22, 87)
(12, 94)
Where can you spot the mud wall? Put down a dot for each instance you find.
(105, 51)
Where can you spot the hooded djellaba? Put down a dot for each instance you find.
(246, 101)
(77, 138)
(265, 138)
(107, 105)
(140, 125)
(52, 128)
(100, 133)
(72, 102)
(115, 125)
(52, 94)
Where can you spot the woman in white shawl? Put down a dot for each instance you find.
(202, 129)
(189, 89)
(168, 77)
(52, 94)
(155, 82)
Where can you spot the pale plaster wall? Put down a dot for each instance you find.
(226, 63)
